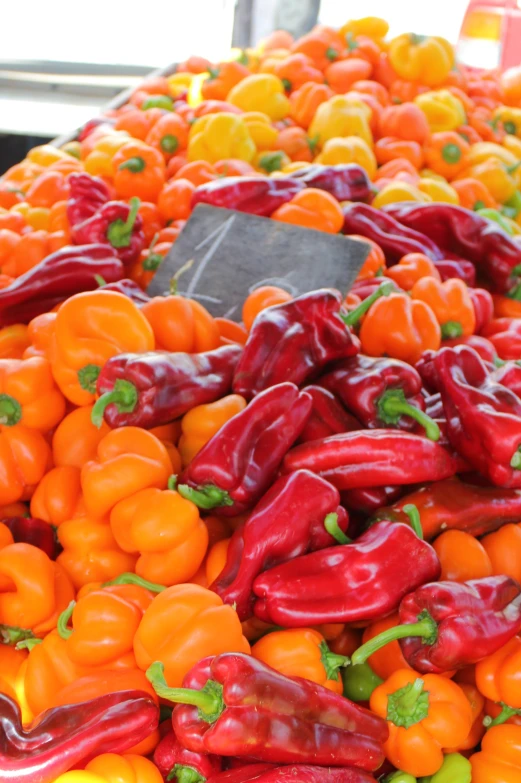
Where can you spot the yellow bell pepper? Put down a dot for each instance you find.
(351, 149)
(179, 83)
(114, 768)
(513, 145)
(438, 190)
(510, 118)
(442, 109)
(99, 161)
(46, 154)
(38, 218)
(493, 173)
(73, 148)
(269, 162)
(218, 136)
(481, 151)
(429, 174)
(371, 26)
(295, 165)
(419, 58)
(195, 95)
(341, 116)
(261, 130)
(399, 191)
(262, 92)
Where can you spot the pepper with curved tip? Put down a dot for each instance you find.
(254, 195)
(184, 766)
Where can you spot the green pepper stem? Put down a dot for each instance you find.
(134, 165)
(426, 628)
(63, 620)
(334, 530)
(129, 578)
(10, 410)
(332, 662)
(393, 404)
(184, 774)
(505, 714)
(124, 396)
(119, 232)
(206, 496)
(12, 634)
(88, 376)
(100, 280)
(414, 519)
(169, 143)
(450, 330)
(355, 315)
(408, 705)
(515, 462)
(28, 644)
(208, 700)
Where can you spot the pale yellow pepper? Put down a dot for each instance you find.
(46, 154)
(482, 151)
(399, 191)
(248, 57)
(262, 132)
(513, 145)
(215, 137)
(438, 190)
(179, 83)
(510, 118)
(262, 92)
(350, 149)
(444, 112)
(99, 161)
(371, 26)
(341, 116)
(195, 95)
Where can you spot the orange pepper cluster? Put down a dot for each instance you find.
(126, 577)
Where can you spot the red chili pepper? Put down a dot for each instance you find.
(184, 766)
(116, 224)
(274, 533)
(381, 392)
(449, 625)
(28, 530)
(64, 737)
(352, 583)
(345, 181)
(372, 458)
(150, 389)
(62, 274)
(238, 706)
(327, 416)
(255, 195)
(483, 417)
(232, 471)
(303, 773)
(87, 196)
(293, 340)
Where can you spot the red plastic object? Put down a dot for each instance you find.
(490, 35)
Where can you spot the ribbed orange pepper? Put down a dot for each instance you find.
(215, 561)
(411, 268)
(503, 548)
(184, 624)
(447, 153)
(181, 324)
(76, 438)
(128, 460)
(14, 340)
(389, 148)
(41, 592)
(139, 170)
(58, 495)
(174, 201)
(499, 760)
(477, 705)
(111, 768)
(168, 554)
(261, 298)
(305, 101)
(29, 251)
(374, 264)
(29, 395)
(312, 208)
(10, 662)
(48, 670)
(40, 331)
(6, 536)
(202, 422)
(221, 79)
(169, 135)
(462, 556)
(47, 189)
(91, 328)
(301, 652)
(505, 307)
(451, 304)
(24, 458)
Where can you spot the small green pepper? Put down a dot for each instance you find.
(359, 682)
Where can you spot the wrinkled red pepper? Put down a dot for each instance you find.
(481, 345)
(184, 766)
(116, 224)
(327, 416)
(288, 522)
(87, 196)
(235, 705)
(233, 470)
(254, 195)
(345, 181)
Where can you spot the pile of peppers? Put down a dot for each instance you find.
(285, 548)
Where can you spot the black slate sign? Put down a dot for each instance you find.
(223, 255)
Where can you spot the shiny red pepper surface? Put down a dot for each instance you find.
(327, 417)
(255, 195)
(301, 773)
(184, 766)
(116, 224)
(87, 195)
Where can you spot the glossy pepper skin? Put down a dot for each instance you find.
(231, 698)
(59, 276)
(116, 224)
(380, 392)
(458, 230)
(327, 417)
(345, 181)
(64, 737)
(87, 196)
(509, 375)
(293, 340)
(449, 625)
(232, 471)
(483, 417)
(304, 773)
(184, 766)
(254, 195)
(395, 239)
(288, 522)
(150, 389)
(356, 582)
(372, 458)
(454, 505)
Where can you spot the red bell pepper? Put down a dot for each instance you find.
(456, 267)
(483, 307)
(505, 336)
(184, 766)
(116, 224)
(87, 196)
(29, 530)
(481, 345)
(303, 773)
(509, 375)
(327, 416)
(255, 195)
(370, 499)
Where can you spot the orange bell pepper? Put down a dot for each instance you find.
(48, 670)
(312, 208)
(374, 264)
(76, 438)
(181, 324)
(40, 332)
(451, 304)
(183, 624)
(499, 760)
(497, 677)
(473, 194)
(296, 70)
(28, 252)
(9, 239)
(389, 148)
(477, 705)
(14, 340)
(24, 458)
(296, 144)
(6, 537)
(503, 547)
(47, 189)
(174, 200)
(28, 394)
(58, 496)
(152, 220)
(301, 652)
(90, 552)
(33, 592)
(168, 554)
(138, 123)
(447, 153)
(462, 556)
(11, 660)
(411, 268)
(389, 659)
(109, 767)
(169, 135)
(400, 327)
(342, 74)
(149, 262)
(215, 561)
(406, 121)
(305, 101)
(197, 172)
(204, 421)
(139, 170)
(90, 329)
(128, 460)
(222, 78)
(231, 332)
(261, 298)
(322, 45)
(505, 307)
(424, 715)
